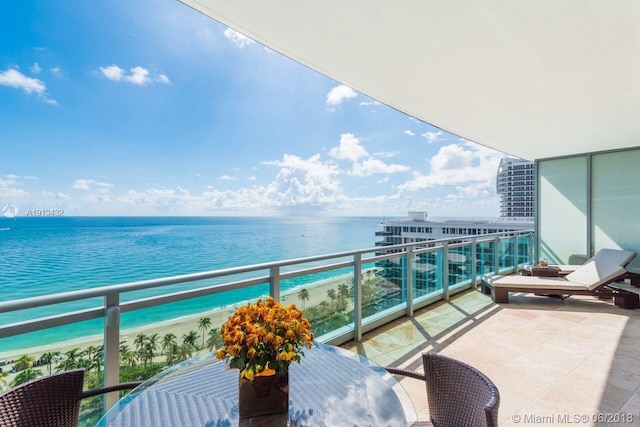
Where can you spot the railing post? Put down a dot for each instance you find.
(409, 281)
(445, 271)
(111, 346)
(357, 297)
(274, 283)
(515, 253)
(474, 266)
(533, 247)
(496, 255)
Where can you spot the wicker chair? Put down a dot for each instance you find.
(458, 394)
(51, 401)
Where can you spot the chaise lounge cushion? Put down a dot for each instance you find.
(606, 256)
(587, 277)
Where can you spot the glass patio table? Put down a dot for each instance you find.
(330, 387)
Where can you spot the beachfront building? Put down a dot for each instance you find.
(516, 185)
(417, 227)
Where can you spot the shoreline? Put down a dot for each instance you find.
(178, 326)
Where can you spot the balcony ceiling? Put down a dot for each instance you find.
(532, 79)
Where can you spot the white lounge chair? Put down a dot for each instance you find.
(607, 256)
(592, 278)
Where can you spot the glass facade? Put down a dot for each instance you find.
(562, 210)
(587, 203)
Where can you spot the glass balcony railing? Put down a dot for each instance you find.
(353, 293)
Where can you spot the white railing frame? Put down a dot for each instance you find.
(113, 307)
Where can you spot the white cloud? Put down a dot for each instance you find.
(15, 79)
(303, 182)
(35, 68)
(373, 166)
(349, 148)
(239, 40)
(432, 137)
(86, 184)
(100, 196)
(138, 76)
(339, 93)
(369, 104)
(386, 153)
(298, 183)
(227, 178)
(458, 166)
(408, 132)
(161, 78)
(113, 72)
(56, 71)
(363, 163)
(252, 178)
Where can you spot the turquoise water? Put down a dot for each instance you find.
(43, 256)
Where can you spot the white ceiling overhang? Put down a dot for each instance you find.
(534, 79)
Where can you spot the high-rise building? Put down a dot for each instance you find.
(515, 183)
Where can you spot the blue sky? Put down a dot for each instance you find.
(150, 108)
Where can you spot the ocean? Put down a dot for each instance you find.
(43, 256)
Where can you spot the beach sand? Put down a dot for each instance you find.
(317, 294)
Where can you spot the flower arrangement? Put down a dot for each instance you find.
(262, 339)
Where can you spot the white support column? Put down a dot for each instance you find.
(474, 263)
(111, 346)
(445, 271)
(274, 283)
(496, 255)
(409, 281)
(357, 297)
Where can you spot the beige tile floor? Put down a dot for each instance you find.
(553, 361)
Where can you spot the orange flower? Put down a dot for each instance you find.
(264, 338)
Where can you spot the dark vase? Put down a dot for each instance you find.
(263, 396)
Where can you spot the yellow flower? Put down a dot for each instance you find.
(263, 333)
(248, 374)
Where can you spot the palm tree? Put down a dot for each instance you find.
(343, 292)
(24, 362)
(98, 358)
(152, 345)
(303, 295)
(185, 351)
(139, 341)
(331, 293)
(92, 358)
(67, 365)
(167, 341)
(48, 358)
(26, 376)
(190, 339)
(204, 324)
(128, 357)
(3, 381)
(171, 353)
(214, 340)
(73, 354)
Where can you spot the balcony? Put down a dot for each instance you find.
(548, 357)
